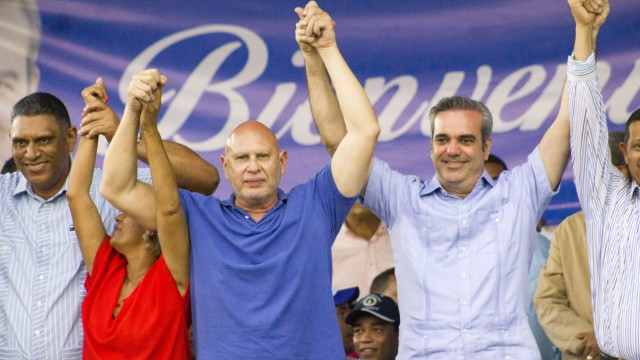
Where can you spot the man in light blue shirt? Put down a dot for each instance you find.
(462, 242)
(41, 270)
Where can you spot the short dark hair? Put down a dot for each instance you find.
(615, 138)
(41, 103)
(381, 282)
(9, 166)
(635, 116)
(493, 159)
(463, 103)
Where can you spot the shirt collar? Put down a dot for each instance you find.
(434, 184)
(634, 188)
(23, 187)
(231, 201)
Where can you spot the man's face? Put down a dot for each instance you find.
(631, 151)
(253, 165)
(345, 329)
(457, 150)
(41, 150)
(374, 339)
(15, 67)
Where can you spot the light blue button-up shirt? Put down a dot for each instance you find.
(462, 264)
(41, 271)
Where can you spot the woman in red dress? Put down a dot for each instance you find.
(137, 304)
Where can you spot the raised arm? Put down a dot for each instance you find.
(324, 104)
(195, 173)
(554, 146)
(119, 179)
(86, 218)
(173, 232)
(352, 160)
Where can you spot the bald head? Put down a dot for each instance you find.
(252, 128)
(253, 165)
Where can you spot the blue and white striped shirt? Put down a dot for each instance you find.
(610, 203)
(41, 272)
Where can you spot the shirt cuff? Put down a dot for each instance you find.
(581, 70)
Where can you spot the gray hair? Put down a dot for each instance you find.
(463, 103)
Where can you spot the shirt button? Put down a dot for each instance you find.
(37, 332)
(246, 217)
(424, 337)
(464, 302)
(39, 303)
(507, 357)
(43, 249)
(424, 229)
(464, 274)
(463, 248)
(465, 206)
(464, 221)
(5, 247)
(497, 219)
(41, 277)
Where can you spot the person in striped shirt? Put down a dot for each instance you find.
(609, 199)
(41, 268)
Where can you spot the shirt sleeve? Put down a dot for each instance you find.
(589, 137)
(388, 189)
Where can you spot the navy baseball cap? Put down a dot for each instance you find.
(347, 295)
(380, 306)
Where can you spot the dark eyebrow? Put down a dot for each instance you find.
(465, 137)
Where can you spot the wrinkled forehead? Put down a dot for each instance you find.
(252, 136)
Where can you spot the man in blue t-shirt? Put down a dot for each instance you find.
(261, 260)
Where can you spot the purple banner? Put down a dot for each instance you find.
(229, 61)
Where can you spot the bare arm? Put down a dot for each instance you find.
(324, 104)
(352, 160)
(86, 218)
(192, 173)
(195, 173)
(119, 179)
(173, 232)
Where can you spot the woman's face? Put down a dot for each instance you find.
(127, 232)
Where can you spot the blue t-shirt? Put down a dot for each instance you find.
(262, 290)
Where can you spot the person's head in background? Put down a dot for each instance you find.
(9, 166)
(376, 321)
(385, 283)
(20, 28)
(494, 166)
(616, 139)
(344, 300)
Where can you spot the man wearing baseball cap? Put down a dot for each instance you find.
(375, 320)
